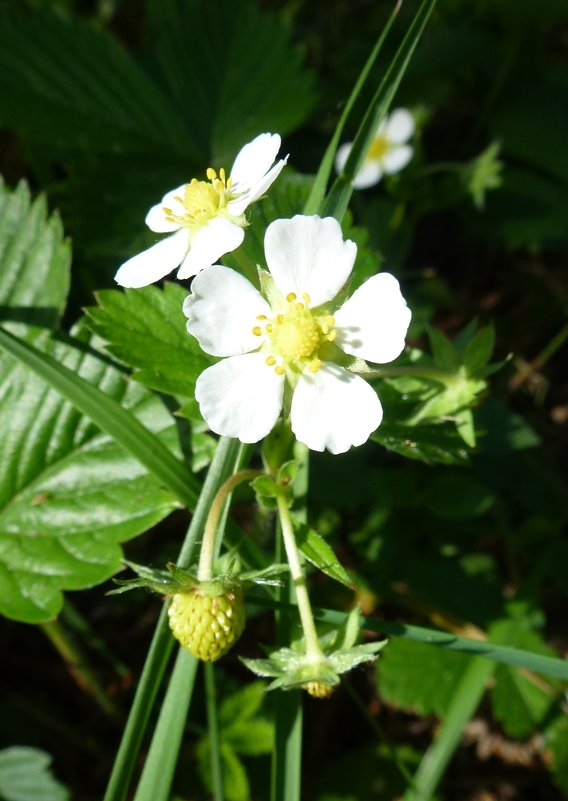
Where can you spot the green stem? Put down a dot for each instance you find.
(207, 554)
(313, 649)
(213, 732)
(78, 665)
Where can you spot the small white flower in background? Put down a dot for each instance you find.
(289, 342)
(206, 218)
(388, 153)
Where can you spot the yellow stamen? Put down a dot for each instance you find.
(257, 330)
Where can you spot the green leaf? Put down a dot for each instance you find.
(109, 415)
(145, 329)
(68, 494)
(214, 77)
(105, 103)
(25, 775)
(522, 703)
(444, 353)
(241, 705)
(235, 781)
(412, 675)
(251, 738)
(35, 259)
(425, 443)
(319, 553)
(457, 496)
(557, 741)
(478, 352)
(500, 429)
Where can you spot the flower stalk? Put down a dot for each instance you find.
(313, 650)
(207, 553)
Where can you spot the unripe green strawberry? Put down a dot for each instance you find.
(318, 689)
(208, 623)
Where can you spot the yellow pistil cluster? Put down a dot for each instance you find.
(379, 147)
(294, 335)
(202, 200)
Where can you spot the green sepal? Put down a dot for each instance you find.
(292, 668)
(268, 288)
(166, 582)
(265, 576)
(265, 490)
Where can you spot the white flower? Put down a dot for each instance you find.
(283, 349)
(388, 153)
(206, 216)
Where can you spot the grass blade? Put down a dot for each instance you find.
(110, 417)
(505, 654)
(158, 772)
(213, 732)
(315, 199)
(462, 708)
(336, 203)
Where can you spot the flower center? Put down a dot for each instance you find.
(202, 200)
(294, 335)
(378, 149)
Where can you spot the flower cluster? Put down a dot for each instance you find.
(289, 352)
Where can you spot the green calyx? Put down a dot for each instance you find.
(292, 668)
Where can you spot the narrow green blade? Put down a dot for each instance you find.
(315, 199)
(462, 708)
(336, 202)
(110, 417)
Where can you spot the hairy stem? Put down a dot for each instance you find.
(207, 554)
(297, 572)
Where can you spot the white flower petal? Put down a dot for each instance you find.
(154, 263)
(342, 155)
(308, 255)
(209, 243)
(254, 161)
(157, 222)
(369, 174)
(373, 323)
(222, 311)
(396, 159)
(334, 409)
(156, 217)
(241, 202)
(240, 397)
(399, 126)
